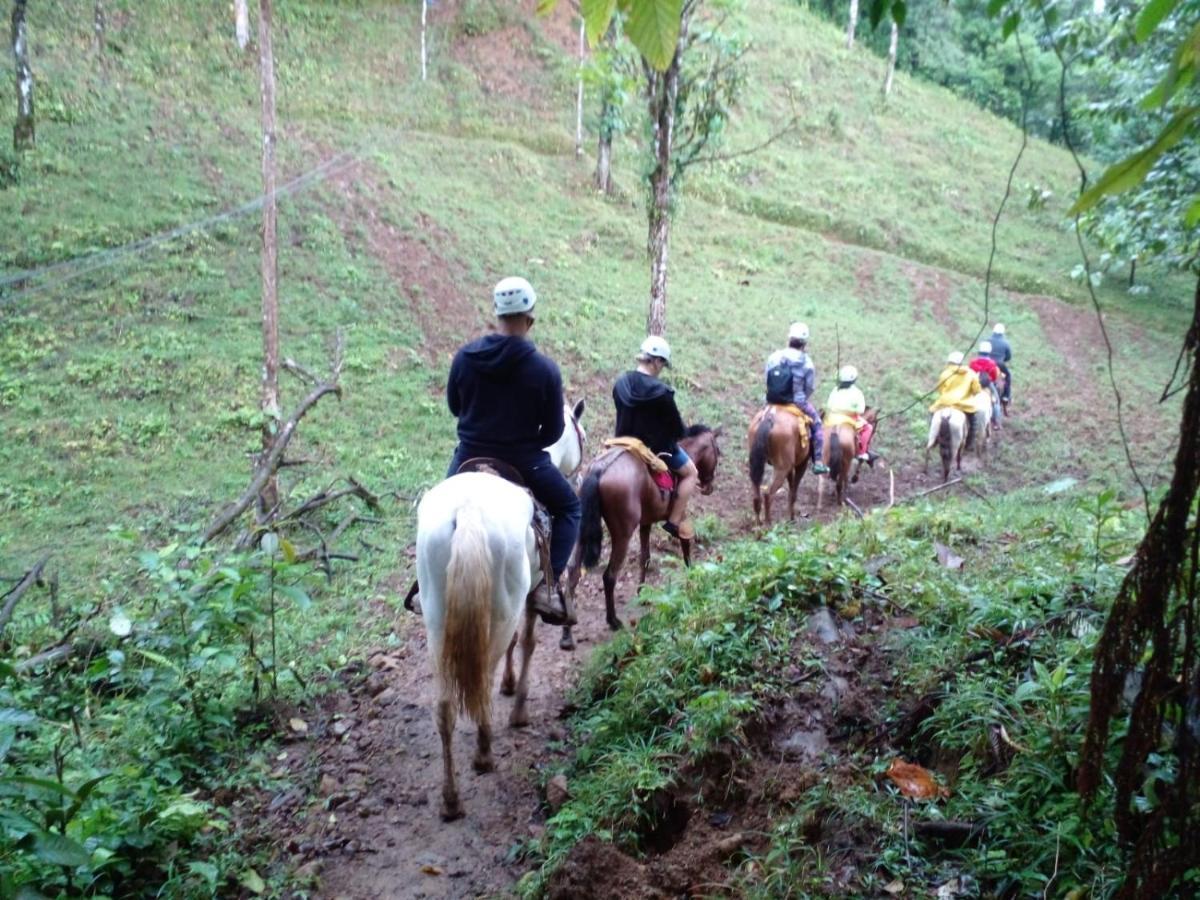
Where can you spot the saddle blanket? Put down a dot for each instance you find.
(834, 419)
(658, 469)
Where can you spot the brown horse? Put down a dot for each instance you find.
(618, 489)
(841, 443)
(775, 437)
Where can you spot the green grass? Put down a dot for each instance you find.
(128, 394)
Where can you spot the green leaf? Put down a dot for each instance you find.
(16, 717)
(296, 595)
(252, 882)
(597, 14)
(994, 7)
(60, 850)
(653, 26)
(1133, 170)
(545, 7)
(44, 784)
(7, 670)
(1010, 25)
(1153, 13)
(158, 658)
(878, 8)
(899, 12)
(1192, 216)
(1175, 80)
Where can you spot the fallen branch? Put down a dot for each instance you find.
(14, 595)
(46, 657)
(854, 506)
(934, 490)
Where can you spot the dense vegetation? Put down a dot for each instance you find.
(127, 393)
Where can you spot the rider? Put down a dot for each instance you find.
(848, 400)
(646, 410)
(1002, 354)
(508, 399)
(983, 364)
(956, 387)
(804, 377)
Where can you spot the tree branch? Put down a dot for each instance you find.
(14, 594)
(724, 157)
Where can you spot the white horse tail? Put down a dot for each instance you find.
(935, 425)
(466, 642)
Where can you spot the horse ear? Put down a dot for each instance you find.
(577, 412)
(716, 432)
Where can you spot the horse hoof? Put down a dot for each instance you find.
(483, 764)
(566, 642)
(452, 811)
(615, 625)
(507, 688)
(519, 718)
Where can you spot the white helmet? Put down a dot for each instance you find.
(847, 374)
(798, 332)
(985, 346)
(955, 358)
(513, 296)
(655, 347)
(998, 328)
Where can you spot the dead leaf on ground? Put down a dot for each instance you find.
(431, 870)
(947, 557)
(894, 887)
(915, 781)
(298, 725)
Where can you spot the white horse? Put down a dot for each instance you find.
(567, 452)
(948, 430)
(477, 559)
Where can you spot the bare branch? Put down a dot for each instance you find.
(14, 594)
(724, 157)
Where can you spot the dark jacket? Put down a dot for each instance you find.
(1001, 349)
(646, 410)
(508, 399)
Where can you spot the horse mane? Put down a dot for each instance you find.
(695, 430)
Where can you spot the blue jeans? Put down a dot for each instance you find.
(553, 492)
(815, 430)
(1007, 396)
(678, 459)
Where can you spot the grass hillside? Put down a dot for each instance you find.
(128, 381)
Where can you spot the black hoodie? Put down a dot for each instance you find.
(508, 399)
(646, 410)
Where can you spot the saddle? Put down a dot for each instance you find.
(659, 472)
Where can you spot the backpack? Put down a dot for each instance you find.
(779, 383)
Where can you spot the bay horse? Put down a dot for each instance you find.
(619, 492)
(948, 430)
(476, 561)
(841, 451)
(776, 437)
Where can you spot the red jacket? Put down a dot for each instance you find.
(984, 364)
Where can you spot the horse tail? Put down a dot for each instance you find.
(467, 638)
(945, 438)
(834, 440)
(591, 530)
(758, 450)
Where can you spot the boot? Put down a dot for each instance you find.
(550, 603)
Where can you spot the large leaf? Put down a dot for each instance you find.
(653, 26)
(60, 850)
(1192, 217)
(1152, 13)
(44, 784)
(1131, 171)
(597, 14)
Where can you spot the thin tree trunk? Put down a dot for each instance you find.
(98, 25)
(604, 156)
(424, 22)
(853, 24)
(891, 60)
(241, 23)
(663, 94)
(23, 130)
(579, 91)
(268, 500)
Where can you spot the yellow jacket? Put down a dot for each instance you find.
(956, 386)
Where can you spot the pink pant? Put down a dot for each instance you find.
(864, 436)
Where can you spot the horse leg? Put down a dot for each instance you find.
(820, 494)
(451, 806)
(509, 680)
(519, 717)
(567, 641)
(644, 555)
(483, 762)
(616, 559)
(778, 477)
(793, 480)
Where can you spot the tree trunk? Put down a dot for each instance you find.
(853, 23)
(1157, 609)
(579, 90)
(424, 52)
(891, 60)
(664, 91)
(241, 23)
(268, 500)
(23, 131)
(604, 156)
(98, 25)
